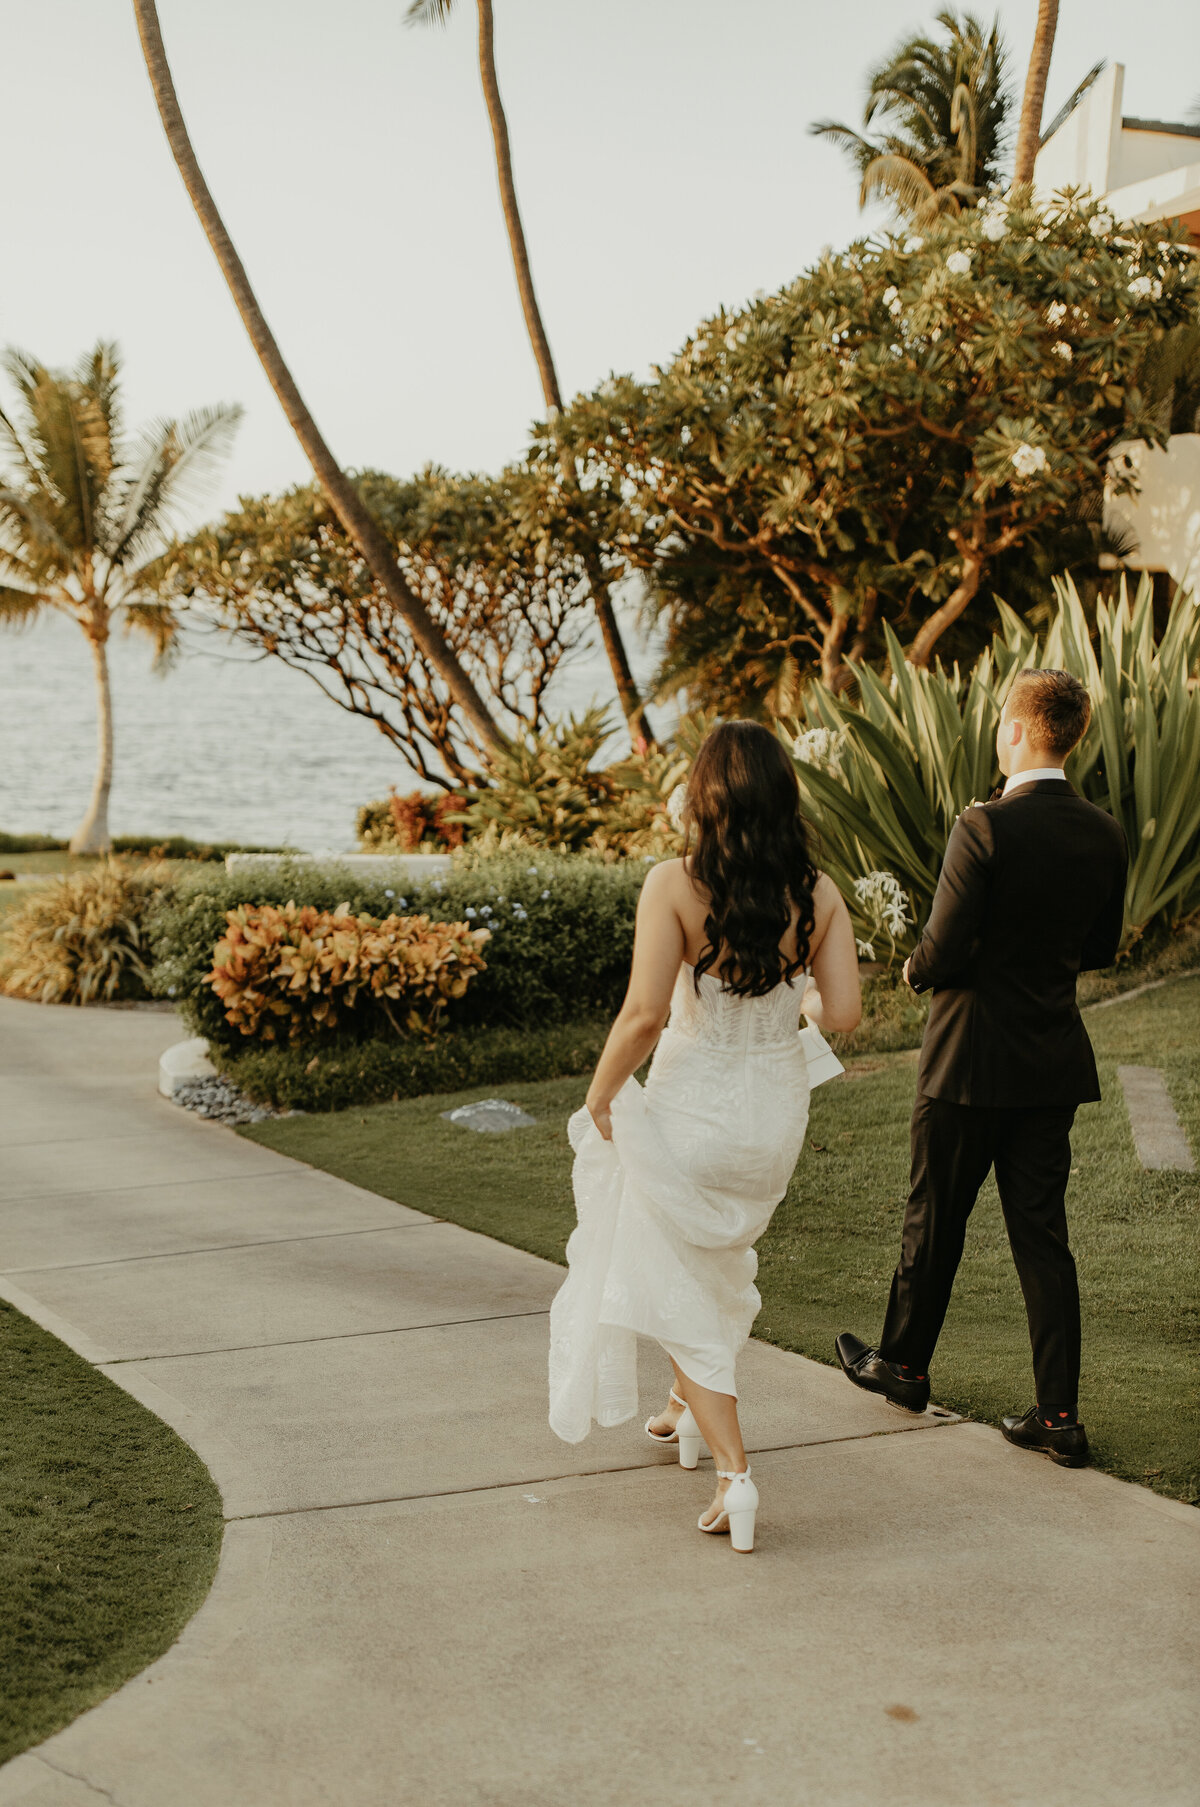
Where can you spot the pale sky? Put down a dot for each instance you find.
(662, 158)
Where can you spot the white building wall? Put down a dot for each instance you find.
(1082, 151)
(1142, 155)
(1165, 516)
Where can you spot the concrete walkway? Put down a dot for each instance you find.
(425, 1598)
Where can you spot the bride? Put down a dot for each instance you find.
(674, 1183)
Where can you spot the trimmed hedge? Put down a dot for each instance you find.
(168, 847)
(345, 1072)
(562, 933)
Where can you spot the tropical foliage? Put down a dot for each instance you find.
(294, 972)
(85, 938)
(85, 509)
(943, 106)
(561, 928)
(886, 777)
(548, 791)
(410, 823)
(872, 441)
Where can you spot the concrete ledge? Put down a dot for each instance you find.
(183, 1062)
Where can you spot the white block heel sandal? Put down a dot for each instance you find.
(686, 1434)
(737, 1512)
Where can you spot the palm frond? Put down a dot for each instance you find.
(860, 150)
(170, 471)
(159, 622)
(902, 180)
(98, 374)
(429, 12)
(18, 607)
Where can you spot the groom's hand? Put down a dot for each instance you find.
(904, 973)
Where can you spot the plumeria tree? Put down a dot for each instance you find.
(870, 441)
(282, 575)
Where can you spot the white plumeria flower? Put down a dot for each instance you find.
(865, 950)
(545, 895)
(1056, 313)
(1062, 350)
(959, 263)
(1101, 224)
(914, 244)
(892, 302)
(388, 893)
(470, 912)
(675, 806)
(995, 223)
(1028, 460)
(1146, 286)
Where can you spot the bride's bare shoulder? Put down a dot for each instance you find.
(826, 898)
(667, 878)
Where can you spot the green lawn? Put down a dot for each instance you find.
(826, 1262)
(110, 1528)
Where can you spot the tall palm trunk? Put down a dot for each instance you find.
(1029, 130)
(343, 497)
(632, 706)
(92, 835)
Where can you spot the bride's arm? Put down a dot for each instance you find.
(657, 955)
(833, 999)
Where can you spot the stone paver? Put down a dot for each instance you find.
(424, 1596)
(1158, 1135)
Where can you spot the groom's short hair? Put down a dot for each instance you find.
(1054, 706)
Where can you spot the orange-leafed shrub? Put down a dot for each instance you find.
(293, 973)
(407, 823)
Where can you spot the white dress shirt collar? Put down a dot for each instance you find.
(1034, 777)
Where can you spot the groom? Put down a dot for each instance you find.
(1031, 893)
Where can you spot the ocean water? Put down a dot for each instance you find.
(223, 747)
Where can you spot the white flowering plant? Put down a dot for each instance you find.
(871, 441)
(882, 903)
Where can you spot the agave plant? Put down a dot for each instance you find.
(885, 778)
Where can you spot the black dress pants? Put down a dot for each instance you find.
(953, 1148)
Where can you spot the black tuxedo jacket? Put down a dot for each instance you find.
(1031, 893)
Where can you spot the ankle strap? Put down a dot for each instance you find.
(676, 1400)
(727, 1474)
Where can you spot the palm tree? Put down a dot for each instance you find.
(84, 512)
(342, 493)
(1030, 129)
(944, 105)
(426, 12)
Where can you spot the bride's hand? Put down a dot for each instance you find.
(601, 1115)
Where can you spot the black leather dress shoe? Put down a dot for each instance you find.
(867, 1368)
(1068, 1446)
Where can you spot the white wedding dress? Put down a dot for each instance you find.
(669, 1210)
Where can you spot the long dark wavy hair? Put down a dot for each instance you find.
(751, 854)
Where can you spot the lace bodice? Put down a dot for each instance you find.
(718, 1019)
